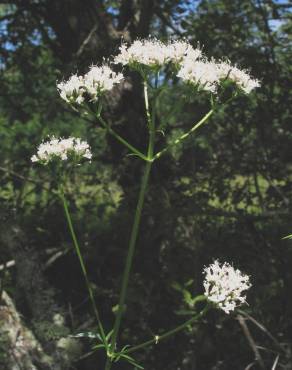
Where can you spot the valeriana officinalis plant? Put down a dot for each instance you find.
(159, 64)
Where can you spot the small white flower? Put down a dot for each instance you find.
(99, 80)
(240, 77)
(178, 50)
(61, 149)
(225, 286)
(200, 72)
(72, 90)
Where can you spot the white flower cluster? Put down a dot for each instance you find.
(100, 79)
(224, 286)
(209, 74)
(193, 67)
(61, 149)
(154, 53)
(92, 84)
(179, 50)
(240, 77)
(199, 73)
(72, 90)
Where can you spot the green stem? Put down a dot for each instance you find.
(169, 333)
(184, 136)
(121, 140)
(151, 123)
(129, 260)
(81, 261)
(146, 102)
(135, 228)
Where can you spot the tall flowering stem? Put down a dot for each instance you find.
(136, 224)
(224, 286)
(81, 261)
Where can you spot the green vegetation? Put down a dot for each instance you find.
(227, 195)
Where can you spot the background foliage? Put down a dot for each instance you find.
(225, 194)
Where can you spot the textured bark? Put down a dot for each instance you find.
(48, 333)
(19, 349)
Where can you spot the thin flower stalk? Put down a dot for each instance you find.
(185, 135)
(158, 338)
(81, 260)
(133, 150)
(151, 123)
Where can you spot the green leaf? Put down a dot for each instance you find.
(125, 347)
(131, 360)
(188, 297)
(98, 346)
(189, 282)
(109, 335)
(199, 298)
(176, 286)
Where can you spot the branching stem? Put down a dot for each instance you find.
(184, 136)
(121, 140)
(134, 233)
(159, 338)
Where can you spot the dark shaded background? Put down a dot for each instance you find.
(225, 193)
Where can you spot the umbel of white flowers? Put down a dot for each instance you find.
(154, 53)
(94, 83)
(210, 74)
(225, 286)
(193, 66)
(62, 149)
(190, 65)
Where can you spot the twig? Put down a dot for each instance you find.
(21, 177)
(251, 341)
(165, 19)
(86, 40)
(55, 257)
(261, 326)
(275, 362)
(249, 366)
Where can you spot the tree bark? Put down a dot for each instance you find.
(19, 349)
